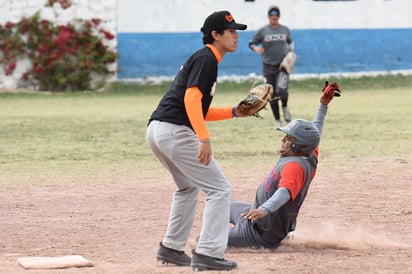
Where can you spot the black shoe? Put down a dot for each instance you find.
(170, 256)
(202, 262)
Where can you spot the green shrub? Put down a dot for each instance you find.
(63, 57)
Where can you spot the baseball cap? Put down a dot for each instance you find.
(220, 20)
(273, 10)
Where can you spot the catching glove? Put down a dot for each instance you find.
(256, 100)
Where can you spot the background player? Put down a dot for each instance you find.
(275, 40)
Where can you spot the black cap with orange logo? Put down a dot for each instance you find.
(220, 20)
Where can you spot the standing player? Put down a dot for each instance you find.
(178, 136)
(276, 41)
(267, 221)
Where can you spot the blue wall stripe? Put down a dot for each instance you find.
(319, 51)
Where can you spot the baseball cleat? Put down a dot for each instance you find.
(286, 114)
(202, 262)
(171, 256)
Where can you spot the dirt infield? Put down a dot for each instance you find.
(356, 219)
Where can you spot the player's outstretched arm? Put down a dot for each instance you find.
(328, 93)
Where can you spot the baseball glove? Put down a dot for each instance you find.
(256, 100)
(288, 62)
(334, 87)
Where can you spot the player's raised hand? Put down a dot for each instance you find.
(328, 92)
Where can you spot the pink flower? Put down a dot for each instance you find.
(43, 48)
(96, 21)
(26, 76)
(38, 69)
(107, 34)
(10, 68)
(63, 38)
(65, 3)
(44, 22)
(9, 25)
(12, 65)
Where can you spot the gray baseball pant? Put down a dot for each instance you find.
(176, 146)
(244, 232)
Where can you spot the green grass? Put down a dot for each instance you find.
(84, 133)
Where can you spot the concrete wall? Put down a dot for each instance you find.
(156, 36)
(154, 16)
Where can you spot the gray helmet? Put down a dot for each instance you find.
(307, 135)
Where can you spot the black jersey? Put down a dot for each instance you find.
(199, 70)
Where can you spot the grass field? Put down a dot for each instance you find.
(60, 133)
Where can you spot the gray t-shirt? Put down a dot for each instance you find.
(276, 43)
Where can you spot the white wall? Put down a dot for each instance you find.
(188, 15)
(164, 16)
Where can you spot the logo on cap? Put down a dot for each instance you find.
(229, 17)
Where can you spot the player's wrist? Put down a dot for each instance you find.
(265, 210)
(234, 114)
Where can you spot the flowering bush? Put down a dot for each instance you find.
(63, 57)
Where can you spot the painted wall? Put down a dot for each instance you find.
(187, 16)
(155, 37)
(319, 51)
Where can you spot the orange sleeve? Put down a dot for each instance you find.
(193, 105)
(292, 178)
(216, 114)
(316, 152)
